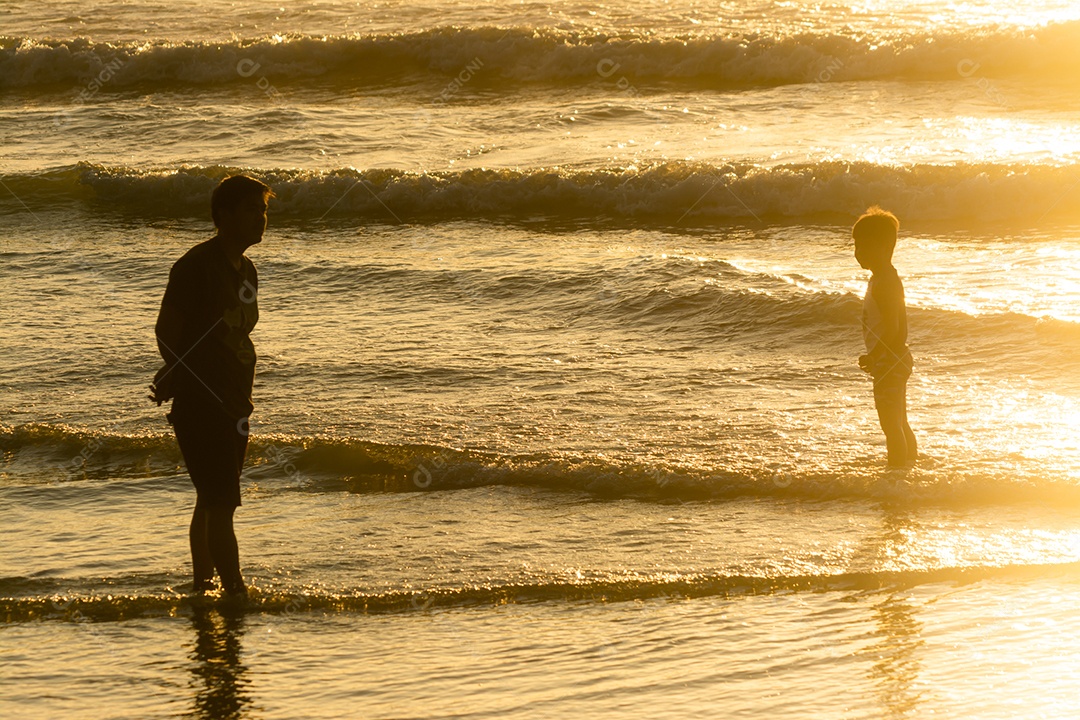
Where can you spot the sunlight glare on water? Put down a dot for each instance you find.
(974, 14)
(558, 404)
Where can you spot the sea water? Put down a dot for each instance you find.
(557, 407)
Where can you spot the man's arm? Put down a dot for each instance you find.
(169, 331)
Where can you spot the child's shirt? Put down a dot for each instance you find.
(883, 306)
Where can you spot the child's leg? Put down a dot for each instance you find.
(912, 446)
(909, 436)
(890, 401)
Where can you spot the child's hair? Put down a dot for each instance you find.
(234, 190)
(877, 226)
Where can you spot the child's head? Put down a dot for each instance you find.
(875, 238)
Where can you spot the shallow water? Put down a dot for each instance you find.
(557, 408)
(828, 654)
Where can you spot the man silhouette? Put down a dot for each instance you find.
(208, 311)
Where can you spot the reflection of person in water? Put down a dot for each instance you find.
(209, 309)
(220, 688)
(885, 330)
(897, 666)
(898, 641)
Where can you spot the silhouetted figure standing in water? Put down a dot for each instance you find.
(884, 323)
(208, 311)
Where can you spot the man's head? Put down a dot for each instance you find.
(238, 207)
(875, 238)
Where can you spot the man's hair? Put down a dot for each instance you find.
(235, 190)
(877, 226)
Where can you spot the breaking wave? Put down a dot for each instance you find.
(495, 56)
(667, 193)
(26, 599)
(58, 455)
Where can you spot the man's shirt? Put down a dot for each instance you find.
(218, 306)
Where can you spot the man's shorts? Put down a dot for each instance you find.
(213, 446)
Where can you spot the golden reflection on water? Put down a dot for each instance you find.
(897, 667)
(219, 677)
(980, 13)
(995, 633)
(1006, 138)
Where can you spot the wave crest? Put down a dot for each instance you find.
(665, 193)
(516, 55)
(93, 607)
(319, 464)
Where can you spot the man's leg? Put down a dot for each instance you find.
(202, 562)
(223, 548)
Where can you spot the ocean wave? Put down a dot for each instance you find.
(668, 193)
(489, 55)
(706, 298)
(114, 605)
(277, 463)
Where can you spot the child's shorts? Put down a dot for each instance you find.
(890, 386)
